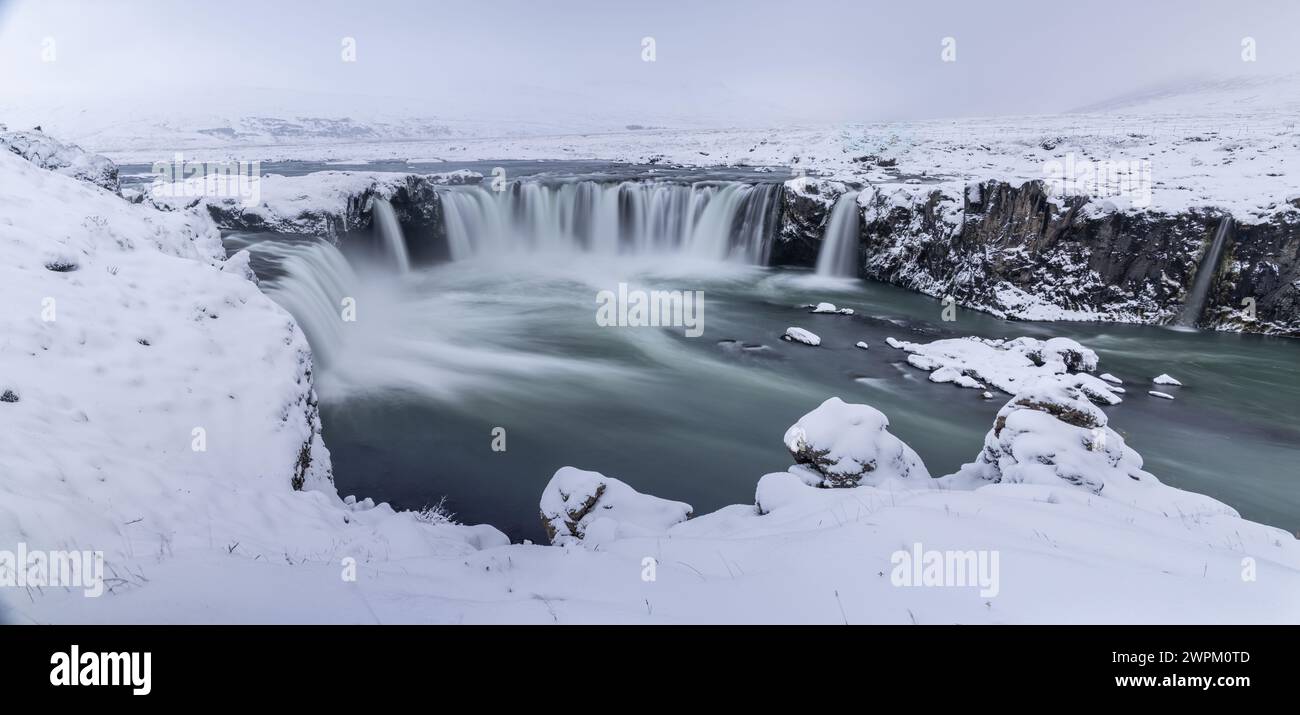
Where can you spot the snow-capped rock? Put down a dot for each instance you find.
(1111, 378)
(801, 336)
(67, 159)
(1049, 433)
(588, 507)
(848, 445)
(1008, 364)
(829, 308)
(862, 344)
(1164, 379)
(240, 264)
(323, 203)
(1161, 395)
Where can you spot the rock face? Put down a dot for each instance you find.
(578, 506)
(848, 445)
(335, 204)
(805, 208)
(1016, 252)
(67, 159)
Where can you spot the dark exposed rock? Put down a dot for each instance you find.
(1010, 251)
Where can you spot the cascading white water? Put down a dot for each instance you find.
(390, 235)
(315, 279)
(727, 221)
(1200, 291)
(838, 256)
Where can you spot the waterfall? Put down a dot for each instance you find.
(839, 251)
(710, 220)
(390, 235)
(1194, 305)
(311, 281)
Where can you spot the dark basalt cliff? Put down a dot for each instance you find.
(1010, 251)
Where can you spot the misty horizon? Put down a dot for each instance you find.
(726, 64)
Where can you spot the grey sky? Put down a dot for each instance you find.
(752, 61)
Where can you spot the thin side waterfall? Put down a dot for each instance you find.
(726, 221)
(1205, 270)
(838, 256)
(390, 235)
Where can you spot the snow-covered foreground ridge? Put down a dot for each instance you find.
(159, 408)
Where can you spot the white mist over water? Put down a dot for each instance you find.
(390, 235)
(838, 256)
(705, 220)
(1200, 290)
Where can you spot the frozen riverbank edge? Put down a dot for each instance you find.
(155, 334)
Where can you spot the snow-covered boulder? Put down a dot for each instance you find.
(67, 159)
(799, 335)
(1050, 434)
(829, 308)
(849, 444)
(591, 508)
(1165, 379)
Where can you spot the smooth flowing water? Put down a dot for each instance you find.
(838, 256)
(390, 236)
(438, 358)
(1200, 290)
(412, 391)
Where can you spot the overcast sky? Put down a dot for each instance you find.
(755, 61)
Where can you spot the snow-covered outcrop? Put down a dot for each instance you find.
(67, 159)
(1050, 433)
(1010, 365)
(847, 445)
(163, 410)
(325, 203)
(588, 507)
